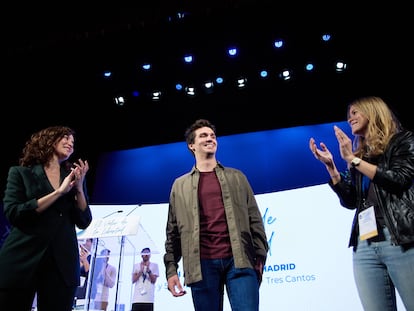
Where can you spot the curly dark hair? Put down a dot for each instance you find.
(40, 147)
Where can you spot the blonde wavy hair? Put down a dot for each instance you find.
(382, 125)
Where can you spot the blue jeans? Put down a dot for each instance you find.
(379, 269)
(242, 287)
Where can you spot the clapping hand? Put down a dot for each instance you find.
(323, 154)
(79, 172)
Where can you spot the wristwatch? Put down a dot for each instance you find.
(355, 162)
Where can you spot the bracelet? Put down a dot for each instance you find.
(335, 176)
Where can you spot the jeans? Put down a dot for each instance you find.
(379, 269)
(242, 287)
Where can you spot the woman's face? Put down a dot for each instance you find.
(65, 147)
(357, 121)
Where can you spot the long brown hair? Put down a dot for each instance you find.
(382, 125)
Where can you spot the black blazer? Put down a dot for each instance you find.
(33, 234)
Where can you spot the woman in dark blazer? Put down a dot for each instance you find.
(45, 200)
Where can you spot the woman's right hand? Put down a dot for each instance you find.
(323, 154)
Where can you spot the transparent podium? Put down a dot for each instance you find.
(106, 281)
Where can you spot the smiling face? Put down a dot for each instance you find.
(205, 141)
(358, 121)
(64, 147)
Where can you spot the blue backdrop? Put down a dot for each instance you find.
(272, 160)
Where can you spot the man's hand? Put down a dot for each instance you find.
(175, 287)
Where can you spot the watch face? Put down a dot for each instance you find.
(355, 162)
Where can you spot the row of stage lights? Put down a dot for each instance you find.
(208, 86)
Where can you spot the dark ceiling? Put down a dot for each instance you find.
(55, 58)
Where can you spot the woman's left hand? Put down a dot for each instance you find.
(345, 144)
(79, 171)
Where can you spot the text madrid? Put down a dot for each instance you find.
(281, 267)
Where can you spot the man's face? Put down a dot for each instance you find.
(145, 257)
(205, 141)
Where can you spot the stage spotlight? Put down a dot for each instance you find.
(278, 44)
(178, 16)
(340, 66)
(326, 37)
(188, 58)
(232, 52)
(285, 75)
(156, 95)
(309, 67)
(178, 86)
(209, 87)
(264, 74)
(241, 83)
(208, 84)
(181, 15)
(190, 91)
(146, 66)
(219, 80)
(119, 100)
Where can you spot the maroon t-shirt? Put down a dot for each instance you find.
(214, 233)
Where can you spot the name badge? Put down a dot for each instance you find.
(367, 224)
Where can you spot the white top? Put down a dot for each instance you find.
(102, 289)
(144, 289)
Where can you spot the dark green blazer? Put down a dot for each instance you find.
(33, 234)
